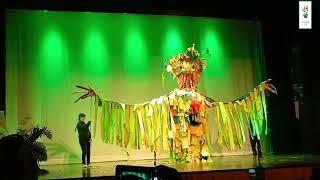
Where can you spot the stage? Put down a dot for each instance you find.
(228, 167)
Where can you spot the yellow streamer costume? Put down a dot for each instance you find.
(177, 122)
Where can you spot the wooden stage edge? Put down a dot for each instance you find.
(284, 167)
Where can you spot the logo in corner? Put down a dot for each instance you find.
(305, 15)
(305, 11)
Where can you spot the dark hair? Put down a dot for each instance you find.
(81, 115)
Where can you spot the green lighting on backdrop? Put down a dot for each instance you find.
(136, 61)
(213, 37)
(216, 63)
(95, 59)
(173, 43)
(53, 59)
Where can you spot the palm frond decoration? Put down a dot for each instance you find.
(23, 148)
(39, 151)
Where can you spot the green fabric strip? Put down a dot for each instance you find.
(241, 121)
(256, 128)
(108, 121)
(111, 125)
(117, 126)
(264, 107)
(102, 120)
(95, 118)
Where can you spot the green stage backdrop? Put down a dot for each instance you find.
(121, 57)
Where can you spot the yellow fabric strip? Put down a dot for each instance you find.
(141, 128)
(229, 130)
(217, 120)
(146, 125)
(226, 127)
(117, 128)
(165, 116)
(126, 126)
(245, 114)
(241, 120)
(251, 116)
(259, 111)
(132, 126)
(160, 116)
(107, 121)
(236, 124)
(253, 98)
(138, 131)
(150, 127)
(122, 125)
(145, 128)
(156, 128)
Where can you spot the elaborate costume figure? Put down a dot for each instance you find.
(178, 121)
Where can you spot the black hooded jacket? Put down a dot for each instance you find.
(83, 130)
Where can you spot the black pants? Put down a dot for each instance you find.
(85, 147)
(256, 146)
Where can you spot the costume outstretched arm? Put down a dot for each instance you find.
(265, 86)
(142, 125)
(234, 117)
(240, 113)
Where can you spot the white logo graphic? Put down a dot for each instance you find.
(305, 15)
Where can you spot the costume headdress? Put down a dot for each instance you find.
(187, 67)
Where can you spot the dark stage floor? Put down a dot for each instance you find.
(218, 163)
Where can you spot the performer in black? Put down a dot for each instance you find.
(84, 139)
(255, 143)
